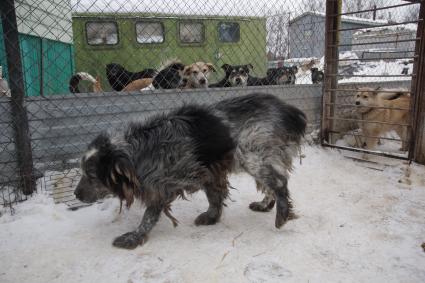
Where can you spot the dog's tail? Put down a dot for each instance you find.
(397, 93)
(82, 76)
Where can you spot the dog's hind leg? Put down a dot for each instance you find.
(268, 201)
(216, 194)
(403, 133)
(278, 184)
(132, 239)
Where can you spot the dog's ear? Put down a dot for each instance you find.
(187, 70)
(376, 90)
(177, 66)
(211, 67)
(226, 67)
(122, 176)
(117, 171)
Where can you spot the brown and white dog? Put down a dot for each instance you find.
(196, 75)
(383, 110)
(139, 84)
(84, 76)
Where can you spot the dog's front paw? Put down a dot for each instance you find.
(129, 240)
(261, 206)
(206, 219)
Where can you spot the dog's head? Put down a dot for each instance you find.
(366, 97)
(107, 169)
(171, 76)
(117, 76)
(196, 75)
(237, 75)
(278, 75)
(282, 75)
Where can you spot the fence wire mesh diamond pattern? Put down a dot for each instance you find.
(87, 66)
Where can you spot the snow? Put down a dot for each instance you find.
(355, 225)
(391, 146)
(380, 68)
(351, 19)
(356, 67)
(397, 28)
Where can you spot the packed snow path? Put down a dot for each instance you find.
(355, 225)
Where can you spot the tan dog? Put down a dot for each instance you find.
(138, 84)
(196, 75)
(370, 101)
(97, 87)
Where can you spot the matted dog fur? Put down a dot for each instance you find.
(194, 148)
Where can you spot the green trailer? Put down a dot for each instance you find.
(139, 40)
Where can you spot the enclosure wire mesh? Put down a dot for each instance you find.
(137, 59)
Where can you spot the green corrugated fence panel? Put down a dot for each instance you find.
(31, 58)
(57, 66)
(3, 59)
(43, 60)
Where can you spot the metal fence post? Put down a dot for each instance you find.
(19, 113)
(333, 9)
(417, 149)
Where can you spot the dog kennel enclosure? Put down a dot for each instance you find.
(45, 132)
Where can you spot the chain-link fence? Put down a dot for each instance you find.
(76, 68)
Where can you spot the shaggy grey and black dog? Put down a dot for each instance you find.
(194, 148)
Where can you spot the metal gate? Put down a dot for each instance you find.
(379, 115)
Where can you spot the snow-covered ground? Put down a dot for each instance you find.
(355, 225)
(357, 67)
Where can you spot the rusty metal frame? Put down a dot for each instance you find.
(417, 145)
(333, 20)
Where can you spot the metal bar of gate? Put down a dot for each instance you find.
(330, 86)
(376, 9)
(417, 145)
(381, 58)
(379, 26)
(333, 9)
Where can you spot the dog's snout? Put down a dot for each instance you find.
(357, 102)
(238, 80)
(202, 81)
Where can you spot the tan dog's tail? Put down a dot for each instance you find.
(97, 87)
(391, 94)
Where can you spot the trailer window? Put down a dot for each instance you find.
(149, 32)
(102, 33)
(191, 32)
(228, 32)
